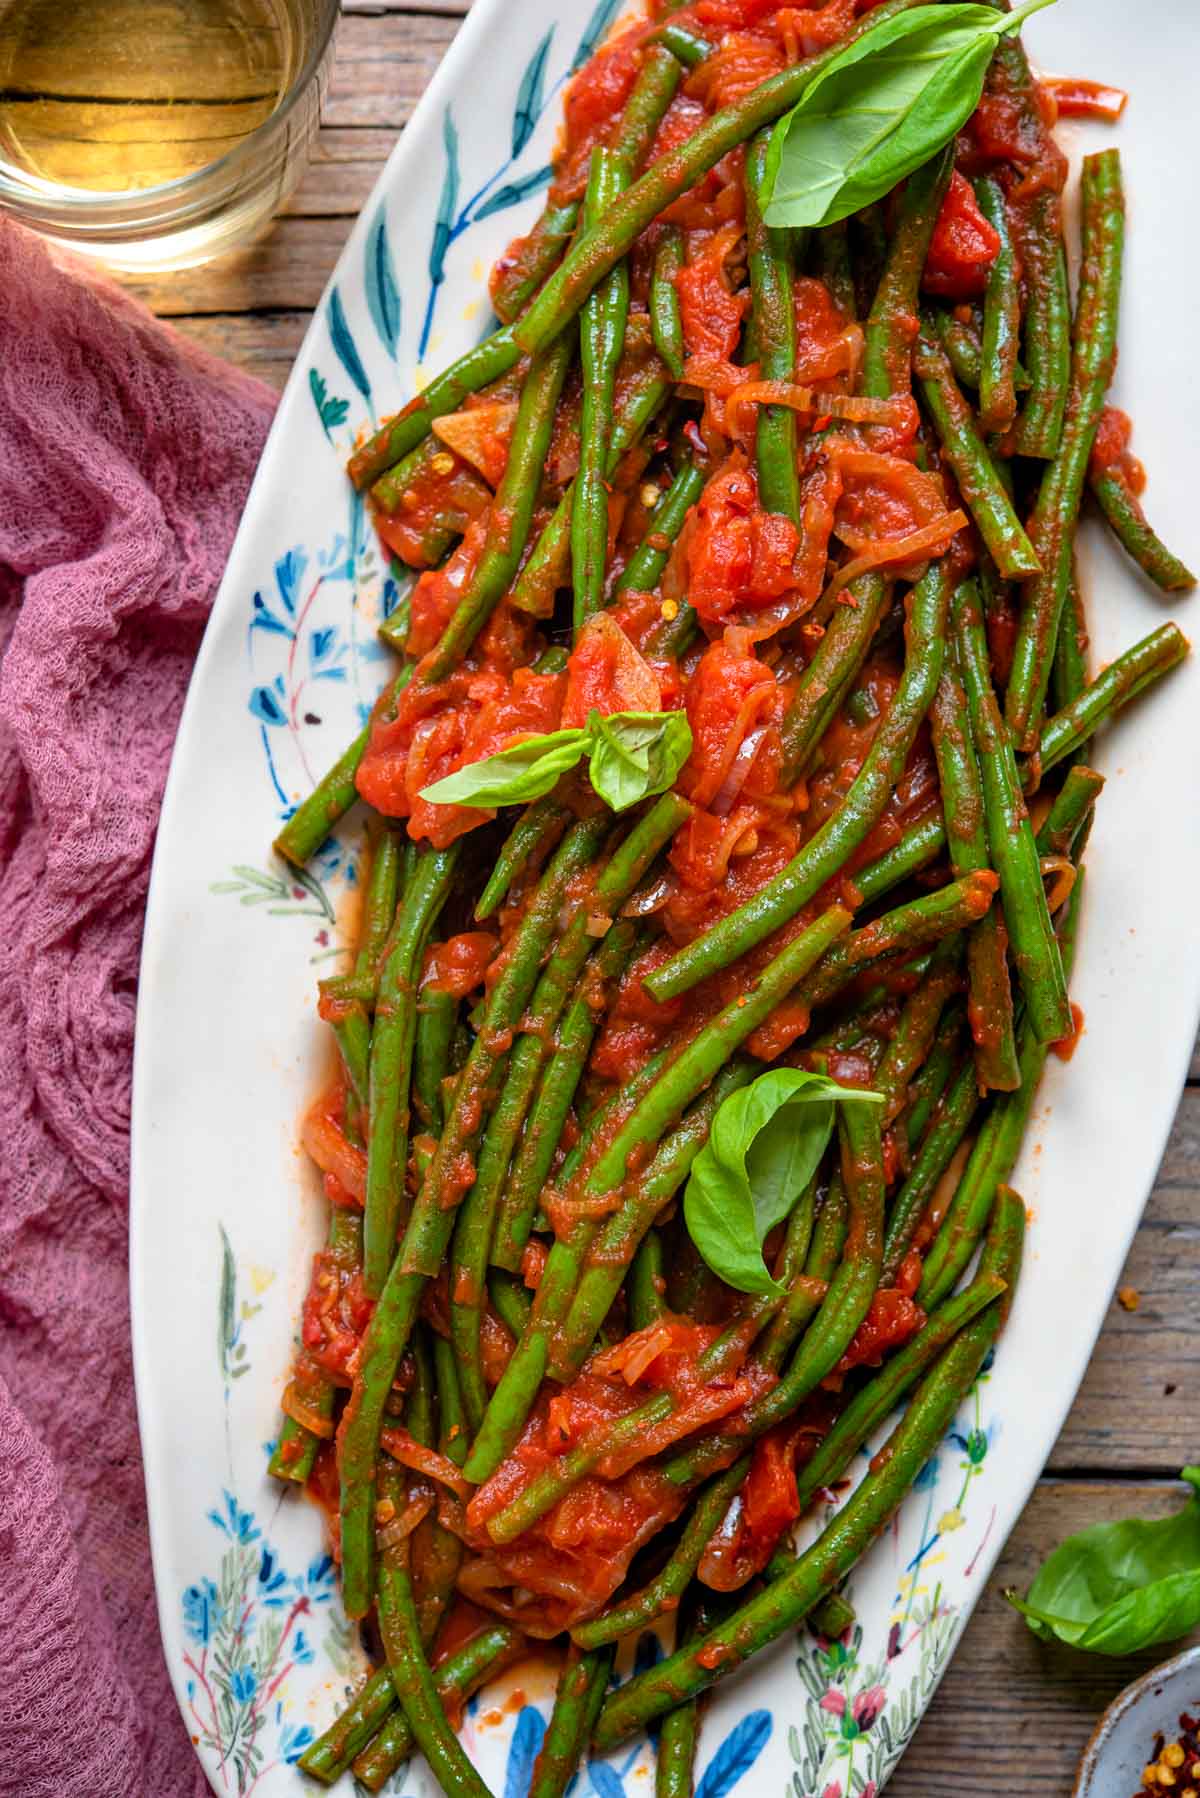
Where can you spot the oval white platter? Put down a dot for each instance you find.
(225, 1215)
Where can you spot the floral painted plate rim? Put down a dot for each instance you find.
(224, 1216)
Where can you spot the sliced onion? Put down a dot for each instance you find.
(1064, 873)
(401, 1528)
(410, 1453)
(739, 772)
(294, 1407)
(651, 896)
(935, 535)
(332, 1153)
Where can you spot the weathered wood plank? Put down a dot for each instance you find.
(1013, 1714)
(264, 344)
(383, 65)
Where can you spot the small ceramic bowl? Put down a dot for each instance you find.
(1124, 1737)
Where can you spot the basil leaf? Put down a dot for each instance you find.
(511, 776)
(765, 1145)
(635, 754)
(883, 107)
(1117, 1588)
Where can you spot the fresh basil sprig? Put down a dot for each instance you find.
(888, 103)
(632, 755)
(765, 1144)
(1117, 1588)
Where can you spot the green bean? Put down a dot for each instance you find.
(1069, 672)
(510, 515)
(1131, 671)
(435, 1552)
(646, 1283)
(664, 1591)
(917, 1026)
(1001, 316)
(833, 266)
(601, 248)
(393, 630)
(609, 1258)
(1052, 526)
(330, 799)
(826, 1240)
(351, 1026)
(548, 567)
(769, 253)
(437, 1019)
(392, 1041)
(951, 1121)
(916, 925)
(473, 1234)
(1074, 799)
(971, 463)
(328, 1757)
(684, 42)
(963, 348)
(1043, 260)
(416, 1687)
(452, 1428)
(921, 845)
(534, 1155)
(786, 1600)
(535, 832)
(398, 435)
(682, 1078)
(995, 1149)
(601, 334)
(990, 1004)
(477, 1215)
(833, 1618)
(675, 1750)
(296, 1449)
(581, 1688)
(887, 342)
(455, 511)
(1132, 529)
(930, 1081)
(429, 1229)
(868, 253)
(826, 680)
(644, 568)
(824, 853)
(511, 1300)
(658, 77)
(1009, 833)
(520, 276)
(666, 320)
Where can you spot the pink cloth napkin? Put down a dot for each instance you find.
(125, 456)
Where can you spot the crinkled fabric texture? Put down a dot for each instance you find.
(125, 457)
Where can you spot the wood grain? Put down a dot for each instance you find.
(1013, 1714)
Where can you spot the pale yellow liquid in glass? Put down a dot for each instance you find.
(114, 95)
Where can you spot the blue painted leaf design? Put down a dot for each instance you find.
(513, 192)
(523, 1751)
(383, 295)
(344, 346)
(736, 1755)
(289, 572)
(602, 17)
(530, 98)
(266, 707)
(443, 229)
(264, 618)
(605, 1783)
(331, 412)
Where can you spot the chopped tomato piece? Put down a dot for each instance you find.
(739, 557)
(459, 965)
(712, 313)
(607, 674)
(964, 245)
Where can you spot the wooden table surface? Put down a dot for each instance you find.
(1012, 1715)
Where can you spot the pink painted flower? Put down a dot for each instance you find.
(832, 1790)
(835, 1703)
(869, 1789)
(868, 1706)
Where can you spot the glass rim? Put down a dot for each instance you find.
(34, 197)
